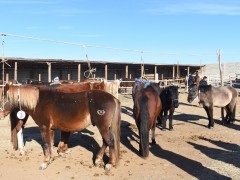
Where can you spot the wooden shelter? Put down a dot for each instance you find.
(46, 69)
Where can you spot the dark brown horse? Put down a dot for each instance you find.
(52, 109)
(209, 96)
(147, 106)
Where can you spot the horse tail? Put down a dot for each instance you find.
(13, 120)
(115, 131)
(144, 127)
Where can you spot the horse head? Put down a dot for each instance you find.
(174, 95)
(5, 106)
(192, 92)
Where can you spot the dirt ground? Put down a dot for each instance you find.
(191, 151)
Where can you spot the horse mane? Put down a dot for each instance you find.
(26, 96)
(205, 88)
(156, 87)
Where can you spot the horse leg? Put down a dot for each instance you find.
(20, 142)
(171, 111)
(222, 114)
(211, 117)
(153, 134)
(47, 138)
(108, 140)
(164, 120)
(207, 109)
(232, 112)
(159, 118)
(63, 144)
(228, 115)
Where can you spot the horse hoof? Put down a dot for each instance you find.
(61, 154)
(163, 129)
(43, 166)
(153, 142)
(22, 153)
(108, 167)
(171, 129)
(98, 162)
(210, 127)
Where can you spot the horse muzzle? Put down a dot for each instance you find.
(190, 99)
(176, 103)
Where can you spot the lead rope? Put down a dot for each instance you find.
(19, 98)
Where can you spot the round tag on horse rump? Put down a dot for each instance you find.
(21, 114)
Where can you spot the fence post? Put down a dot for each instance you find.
(156, 77)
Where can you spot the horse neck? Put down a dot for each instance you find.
(25, 97)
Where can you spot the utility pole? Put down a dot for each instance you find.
(3, 59)
(220, 66)
(221, 78)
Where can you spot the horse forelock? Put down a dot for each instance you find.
(24, 96)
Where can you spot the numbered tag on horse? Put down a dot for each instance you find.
(21, 114)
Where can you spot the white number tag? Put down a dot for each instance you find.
(21, 114)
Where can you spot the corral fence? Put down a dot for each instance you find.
(230, 80)
(126, 86)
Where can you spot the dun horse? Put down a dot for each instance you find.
(52, 109)
(147, 106)
(210, 96)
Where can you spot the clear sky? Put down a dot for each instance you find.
(166, 31)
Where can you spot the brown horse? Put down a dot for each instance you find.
(147, 106)
(78, 87)
(52, 109)
(209, 96)
(17, 124)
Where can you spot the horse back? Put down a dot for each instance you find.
(219, 96)
(74, 111)
(154, 104)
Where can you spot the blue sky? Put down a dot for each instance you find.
(149, 31)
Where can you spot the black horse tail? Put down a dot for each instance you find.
(115, 131)
(144, 127)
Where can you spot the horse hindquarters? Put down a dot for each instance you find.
(144, 127)
(106, 115)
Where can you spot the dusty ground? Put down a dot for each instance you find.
(191, 151)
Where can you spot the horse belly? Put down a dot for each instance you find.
(72, 124)
(221, 102)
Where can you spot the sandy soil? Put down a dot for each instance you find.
(191, 151)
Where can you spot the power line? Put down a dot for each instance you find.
(101, 47)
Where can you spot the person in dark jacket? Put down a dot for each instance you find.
(203, 82)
